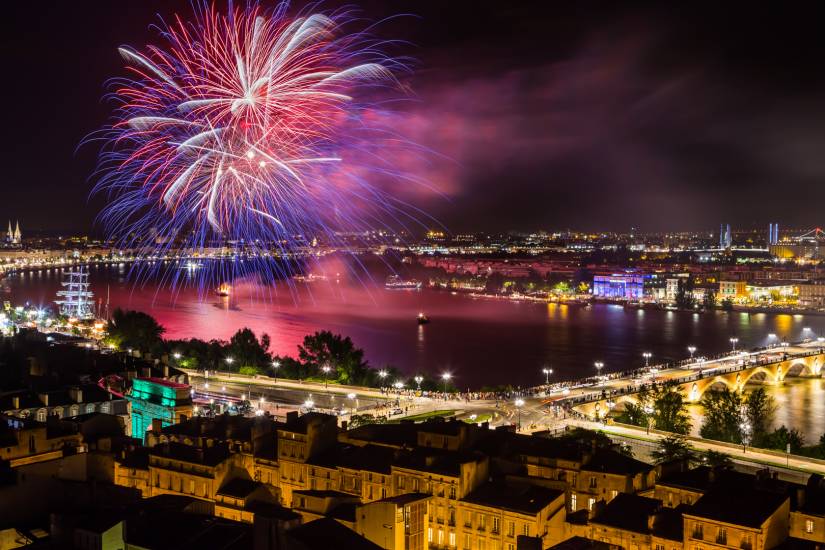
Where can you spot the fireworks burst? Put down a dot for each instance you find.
(251, 127)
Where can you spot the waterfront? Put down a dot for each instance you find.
(481, 341)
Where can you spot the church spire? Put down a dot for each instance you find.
(17, 236)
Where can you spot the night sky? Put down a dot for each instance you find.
(540, 114)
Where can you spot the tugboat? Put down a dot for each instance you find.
(423, 319)
(224, 290)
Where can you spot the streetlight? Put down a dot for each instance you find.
(446, 378)
(519, 404)
(275, 366)
(746, 430)
(547, 372)
(382, 374)
(309, 404)
(177, 356)
(351, 397)
(399, 385)
(649, 413)
(599, 366)
(325, 368)
(229, 360)
(418, 379)
(691, 350)
(733, 342)
(647, 355)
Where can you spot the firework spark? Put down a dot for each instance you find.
(254, 127)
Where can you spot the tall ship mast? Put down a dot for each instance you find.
(76, 298)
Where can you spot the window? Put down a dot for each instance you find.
(572, 502)
(452, 493)
(192, 486)
(590, 503)
(698, 531)
(430, 535)
(401, 483)
(41, 415)
(511, 529)
(660, 547)
(441, 537)
(467, 541)
(481, 544)
(452, 539)
(592, 482)
(722, 536)
(525, 530)
(746, 542)
(613, 493)
(495, 525)
(809, 526)
(482, 521)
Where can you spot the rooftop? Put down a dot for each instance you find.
(326, 533)
(629, 512)
(747, 507)
(526, 499)
(239, 488)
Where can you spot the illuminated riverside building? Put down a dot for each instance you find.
(620, 286)
(156, 400)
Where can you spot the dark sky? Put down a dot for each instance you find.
(543, 114)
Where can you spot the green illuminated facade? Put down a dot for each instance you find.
(158, 399)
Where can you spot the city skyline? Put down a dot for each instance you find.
(591, 117)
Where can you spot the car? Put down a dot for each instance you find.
(396, 412)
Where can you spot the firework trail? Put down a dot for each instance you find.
(255, 129)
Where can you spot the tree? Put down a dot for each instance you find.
(684, 293)
(135, 330)
(723, 416)
(709, 301)
(781, 437)
(245, 350)
(326, 349)
(671, 449)
(717, 460)
(670, 410)
(759, 410)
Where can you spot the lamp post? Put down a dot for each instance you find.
(649, 413)
(647, 355)
(177, 356)
(229, 361)
(418, 379)
(733, 342)
(547, 372)
(599, 366)
(519, 404)
(691, 350)
(382, 374)
(746, 431)
(275, 366)
(326, 369)
(446, 378)
(351, 397)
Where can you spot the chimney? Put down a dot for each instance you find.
(15, 402)
(44, 398)
(166, 371)
(291, 417)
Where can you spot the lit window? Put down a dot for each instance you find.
(573, 502)
(590, 503)
(809, 526)
(452, 538)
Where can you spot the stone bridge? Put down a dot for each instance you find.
(694, 385)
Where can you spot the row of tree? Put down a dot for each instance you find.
(728, 416)
(321, 356)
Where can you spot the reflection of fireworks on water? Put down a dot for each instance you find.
(254, 129)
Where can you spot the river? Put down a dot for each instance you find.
(481, 341)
